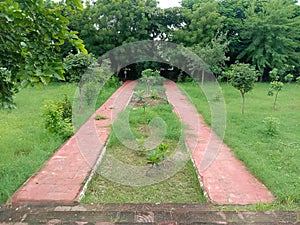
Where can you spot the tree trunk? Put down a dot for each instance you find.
(243, 104)
(202, 78)
(275, 100)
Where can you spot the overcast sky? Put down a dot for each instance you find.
(168, 3)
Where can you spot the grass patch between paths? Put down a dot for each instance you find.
(181, 187)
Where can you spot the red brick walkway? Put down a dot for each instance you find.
(61, 179)
(225, 180)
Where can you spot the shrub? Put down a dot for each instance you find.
(7, 89)
(58, 117)
(76, 65)
(113, 81)
(271, 125)
(90, 92)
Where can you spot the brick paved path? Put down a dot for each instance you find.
(61, 179)
(226, 180)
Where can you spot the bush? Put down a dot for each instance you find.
(271, 125)
(113, 81)
(58, 117)
(76, 65)
(7, 89)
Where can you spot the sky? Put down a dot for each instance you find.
(169, 3)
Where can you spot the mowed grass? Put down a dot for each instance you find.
(24, 143)
(183, 186)
(275, 160)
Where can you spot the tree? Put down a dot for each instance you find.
(234, 12)
(76, 66)
(31, 33)
(107, 24)
(243, 77)
(202, 24)
(213, 54)
(276, 85)
(271, 35)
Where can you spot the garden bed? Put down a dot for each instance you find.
(182, 186)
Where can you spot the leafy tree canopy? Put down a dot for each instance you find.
(271, 36)
(31, 33)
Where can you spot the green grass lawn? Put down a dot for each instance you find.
(183, 186)
(275, 160)
(24, 143)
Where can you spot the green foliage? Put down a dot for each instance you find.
(158, 155)
(271, 34)
(242, 77)
(289, 78)
(271, 125)
(141, 146)
(154, 158)
(213, 53)
(202, 22)
(139, 95)
(113, 23)
(8, 89)
(298, 79)
(58, 117)
(32, 33)
(76, 65)
(150, 78)
(113, 81)
(275, 86)
(154, 94)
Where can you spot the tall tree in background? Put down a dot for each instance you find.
(31, 33)
(271, 35)
(107, 24)
(203, 23)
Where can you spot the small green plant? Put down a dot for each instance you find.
(288, 78)
(271, 125)
(141, 146)
(145, 105)
(154, 94)
(100, 117)
(275, 86)
(58, 117)
(164, 149)
(156, 156)
(298, 80)
(140, 95)
(150, 78)
(189, 79)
